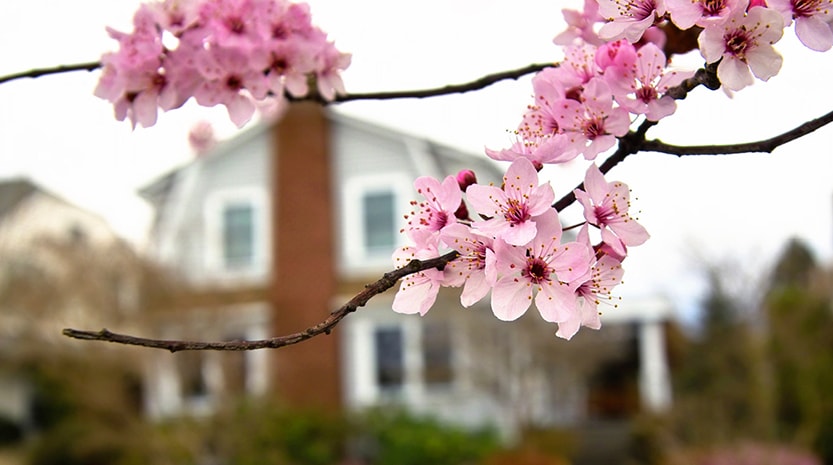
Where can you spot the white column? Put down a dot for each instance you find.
(654, 379)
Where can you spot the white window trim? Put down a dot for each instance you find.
(354, 254)
(215, 204)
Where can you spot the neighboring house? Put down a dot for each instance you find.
(44, 242)
(286, 222)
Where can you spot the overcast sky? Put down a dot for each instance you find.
(740, 208)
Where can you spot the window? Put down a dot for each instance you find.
(379, 222)
(191, 377)
(238, 236)
(390, 366)
(437, 369)
(237, 233)
(371, 216)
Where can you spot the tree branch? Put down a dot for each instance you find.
(34, 73)
(761, 146)
(477, 84)
(387, 281)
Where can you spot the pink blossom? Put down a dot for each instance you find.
(539, 150)
(231, 52)
(616, 53)
(543, 269)
(538, 121)
(744, 42)
(595, 288)
(640, 86)
(629, 18)
(687, 13)
(229, 80)
(201, 137)
(580, 25)
(437, 210)
(577, 68)
(475, 263)
(513, 209)
(131, 79)
(812, 21)
(606, 205)
(594, 124)
(418, 291)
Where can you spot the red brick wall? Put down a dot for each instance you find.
(303, 275)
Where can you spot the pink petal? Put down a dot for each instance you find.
(475, 289)
(556, 303)
(486, 200)
(764, 62)
(595, 184)
(511, 298)
(814, 33)
(631, 232)
(518, 234)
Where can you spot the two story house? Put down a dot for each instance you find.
(280, 225)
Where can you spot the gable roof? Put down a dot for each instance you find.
(443, 156)
(13, 192)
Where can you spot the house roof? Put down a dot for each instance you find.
(443, 156)
(12, 192)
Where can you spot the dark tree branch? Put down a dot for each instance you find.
(34, 73)
(387, 281)
(477, 84)
(762, 146)
(631, 143)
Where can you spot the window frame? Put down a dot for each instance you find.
(216, 205)
(354, 252)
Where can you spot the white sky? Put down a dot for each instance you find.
(739, 208)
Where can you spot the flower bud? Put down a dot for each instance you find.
(466, 178)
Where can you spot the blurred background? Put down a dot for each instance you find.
(717, 353)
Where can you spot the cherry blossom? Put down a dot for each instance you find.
(475, 263)
(580, 25)
(539, 150)
(616, 53)
(629, 19)
(812, 21)
(593, 124)
(687, 13)
(605, 274)
(229, 52)
(606, 205)
(418, 291)
(441, 202)
(514, 208)
(640, 86)
(744, 42)
(541, 270)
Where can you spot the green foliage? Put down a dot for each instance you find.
(392, 437)
(256, 433)
(721, 390)
(801, 347)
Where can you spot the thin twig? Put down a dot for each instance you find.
(34, 73)
(476, 84)
(761, 146)
(387, 281)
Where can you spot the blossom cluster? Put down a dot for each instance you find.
(231, 52)
(615, 71)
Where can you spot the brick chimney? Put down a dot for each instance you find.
(303, 257)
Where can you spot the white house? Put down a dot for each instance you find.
(300, 215)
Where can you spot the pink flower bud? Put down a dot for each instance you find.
(462, 212)
(466, 178)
